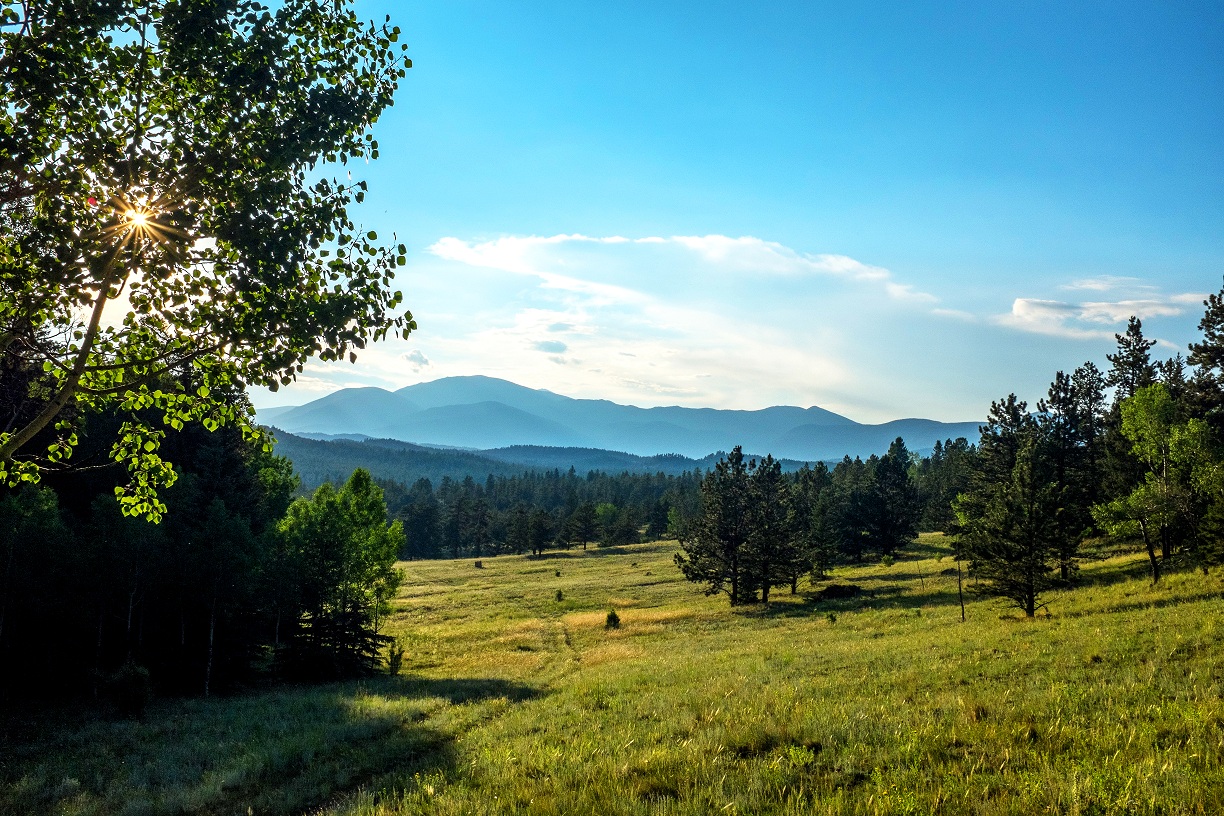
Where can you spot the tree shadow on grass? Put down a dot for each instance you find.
(876, 595)
(461, 690)
(1117, 573)
(1140, 605)
(285, 751)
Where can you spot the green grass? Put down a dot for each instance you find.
(514, 702)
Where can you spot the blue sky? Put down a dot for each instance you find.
(885, 210)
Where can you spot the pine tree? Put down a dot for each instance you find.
(1069, 421)
(714, 553)
(1008, 527)
(771, 554)
(583, 524)
(1132, 364)
(890, 512)
(1207, 357)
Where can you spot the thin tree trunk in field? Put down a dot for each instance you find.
(212, 633)
(212, 628)
(960, 592)
(1151, 552)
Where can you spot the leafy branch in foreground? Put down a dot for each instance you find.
(164, 233)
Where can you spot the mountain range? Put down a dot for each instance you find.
(482, 413)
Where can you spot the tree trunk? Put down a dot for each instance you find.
(1151, 552)
(212, 628)
(56, 404)
(960, 592)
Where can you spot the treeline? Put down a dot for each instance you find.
(1133, 453)
(758, 529)
(238, 584)
(533, 512)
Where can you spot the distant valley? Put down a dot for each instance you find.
(505, 424)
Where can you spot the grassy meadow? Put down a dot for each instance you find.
(516, 698)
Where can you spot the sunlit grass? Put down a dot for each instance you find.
(513, 701)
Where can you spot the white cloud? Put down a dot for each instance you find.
(1083, 321)
(729, 322)
(416, 359)
(1105, 283)
(532, 255)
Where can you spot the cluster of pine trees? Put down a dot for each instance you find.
(535, 511)
(1133, 453)
(238, 584)
(759, 529)
(1145, 464)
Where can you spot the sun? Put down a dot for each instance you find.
(137, 218)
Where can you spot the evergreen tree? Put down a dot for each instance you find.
(583, 524)
(540, 530)
(808, 509)
(714, 553)
(1132, 363)
(518, 531)
(939, 478)
(771, 555)
(890, 510)
(1207, 357)
(1069, 423)
(422, 520)
(850, 491)
(1008, 528)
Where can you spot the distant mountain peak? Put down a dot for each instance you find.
(486, 412)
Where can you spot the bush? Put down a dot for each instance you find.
(479, 565)
(130, 689)
(560, 595)
(395, 655)
(613, 621)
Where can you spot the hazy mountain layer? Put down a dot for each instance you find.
(483, 413)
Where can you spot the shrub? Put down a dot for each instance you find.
(613, 621)
(130, 689)
(479, 564)
(560, 595)
(395, 655)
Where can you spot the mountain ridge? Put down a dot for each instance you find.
(486, 413)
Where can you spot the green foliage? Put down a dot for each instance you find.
(396, 650)
(612, 621)
(889, 514)
(583, 524)
(341, 553)
(1169, 509)
(714, 554)
(1132, 366)
(772, 555)
(1008, 518)
(168, 227)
